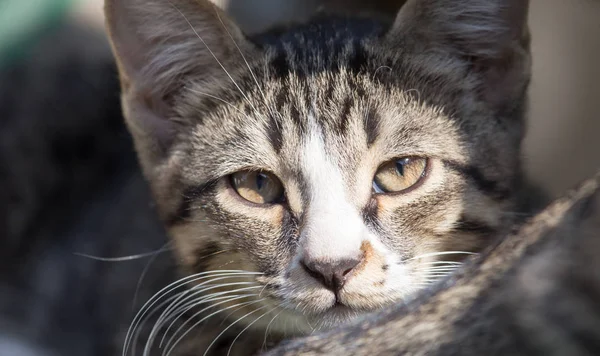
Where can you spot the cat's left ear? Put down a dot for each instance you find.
(490, 36)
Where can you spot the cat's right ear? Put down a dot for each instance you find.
(160, 45)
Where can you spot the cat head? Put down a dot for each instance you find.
(342, 164)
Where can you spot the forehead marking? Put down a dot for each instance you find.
(333, 228)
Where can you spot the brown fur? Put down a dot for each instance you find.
(536, 293)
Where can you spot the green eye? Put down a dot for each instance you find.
(399, 175)
(258, 187)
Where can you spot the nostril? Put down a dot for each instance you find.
(332, 274)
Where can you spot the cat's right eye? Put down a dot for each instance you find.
(258, 187)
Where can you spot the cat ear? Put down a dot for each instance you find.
(491, 34)
(160, 45)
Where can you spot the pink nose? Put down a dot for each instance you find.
(332, 275)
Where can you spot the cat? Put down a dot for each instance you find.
(535, 293)
(314, 174)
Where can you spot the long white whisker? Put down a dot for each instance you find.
(221, 100)
(225, 300)
(440, 263)
(136, 331)
(143, 274)
(246, 328)
(140, 315)
(174, 300)
(433, 254)
(264, 345)
(230, 325)
(166, 290)
(436, 269)
(211, 52)
(206, 317)
(123, 258)
(247, 64)
(155, 330)
(191, 304)
(196, 290)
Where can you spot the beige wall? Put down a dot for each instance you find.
(563, 143)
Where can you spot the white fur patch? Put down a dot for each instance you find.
(333, 229)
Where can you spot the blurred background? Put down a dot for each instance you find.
(54, 65)
(563, 141)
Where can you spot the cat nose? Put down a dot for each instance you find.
(333, 274)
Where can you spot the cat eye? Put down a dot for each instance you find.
(399, 175)
(258, 187)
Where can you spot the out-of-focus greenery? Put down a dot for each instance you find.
(22, 21)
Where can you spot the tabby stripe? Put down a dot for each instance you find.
(204, 255)
(466, 224)
(344, 115)
(489, 187)
(358, 59)
(275, 135)
(280, 65)
(371, 124)
(190, 195)
(370, 212)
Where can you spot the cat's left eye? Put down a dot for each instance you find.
(258, 187)
(399, 175)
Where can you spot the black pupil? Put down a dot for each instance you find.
(400, 164)
(261, 180)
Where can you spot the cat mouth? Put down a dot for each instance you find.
(337, 315)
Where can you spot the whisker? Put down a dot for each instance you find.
(264, 345)
(156, 328)
(211, 52)
(436, 269)
(136, 333)
(143, 274)
(440, 263)
(217, 98)
(123, 258)
(228, 299)
(231, 313)
(168, 289)
(232, 324)
(247, 65)
(200, 288)
(433, 254)
(206, 317)
(246, 328)
(138, 320)
(190, 304)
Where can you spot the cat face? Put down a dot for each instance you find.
(344, 166)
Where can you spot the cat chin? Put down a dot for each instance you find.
(336, 316)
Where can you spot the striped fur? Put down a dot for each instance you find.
(322, 106)
(536, 293)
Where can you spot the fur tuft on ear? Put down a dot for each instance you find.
(491, 35)
(160, 45)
